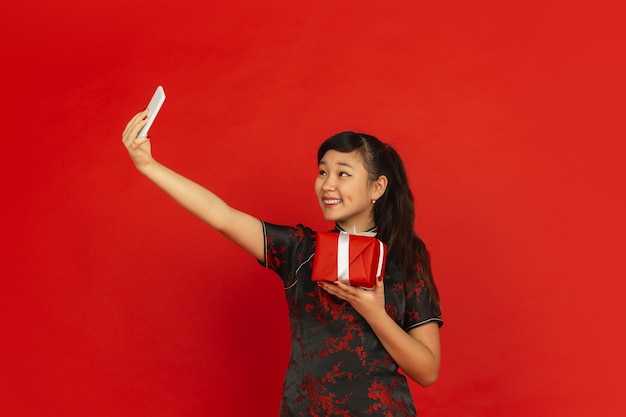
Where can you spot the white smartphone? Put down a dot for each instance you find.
(153, 109)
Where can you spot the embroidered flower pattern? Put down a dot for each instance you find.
(337, 365)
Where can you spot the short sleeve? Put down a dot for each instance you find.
(286, 248)
(419, 309)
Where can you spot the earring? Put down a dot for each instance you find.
(373, 201)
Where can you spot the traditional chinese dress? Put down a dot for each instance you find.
(337, 365)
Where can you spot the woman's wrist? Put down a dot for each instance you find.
(377, 317)
(147, 166)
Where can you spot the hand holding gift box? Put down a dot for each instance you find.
(352, 259)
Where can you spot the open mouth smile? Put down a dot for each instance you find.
(331, 201)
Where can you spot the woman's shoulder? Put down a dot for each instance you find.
(297, 232)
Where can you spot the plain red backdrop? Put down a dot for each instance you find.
(116, 302)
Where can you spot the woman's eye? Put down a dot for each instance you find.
(344, 174)
(322, 173)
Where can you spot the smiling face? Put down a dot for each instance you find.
(345, 192)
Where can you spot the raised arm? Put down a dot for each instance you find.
(243, 229)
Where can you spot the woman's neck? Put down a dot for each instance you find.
(354, 229)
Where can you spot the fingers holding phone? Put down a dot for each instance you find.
(135, 137)
(153, 109)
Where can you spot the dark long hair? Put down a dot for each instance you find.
(394, 211)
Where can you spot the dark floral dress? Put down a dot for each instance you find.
(337, 365)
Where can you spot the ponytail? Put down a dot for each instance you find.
(394, 213)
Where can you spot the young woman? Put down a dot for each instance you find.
(348, 343)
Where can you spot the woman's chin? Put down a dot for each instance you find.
(330, 218)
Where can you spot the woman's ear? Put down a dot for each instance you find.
(378, 187)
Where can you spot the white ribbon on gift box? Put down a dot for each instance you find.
(343, 256)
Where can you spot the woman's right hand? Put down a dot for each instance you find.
(138, 147)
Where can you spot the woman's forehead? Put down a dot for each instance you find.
(352, 159)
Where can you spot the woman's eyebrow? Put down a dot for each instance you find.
(345, 164)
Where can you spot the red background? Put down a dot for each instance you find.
(116, 302)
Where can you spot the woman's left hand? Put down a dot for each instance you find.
(366, 302)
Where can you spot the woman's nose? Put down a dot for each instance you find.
(329, 184)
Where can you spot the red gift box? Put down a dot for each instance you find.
(352, 259)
